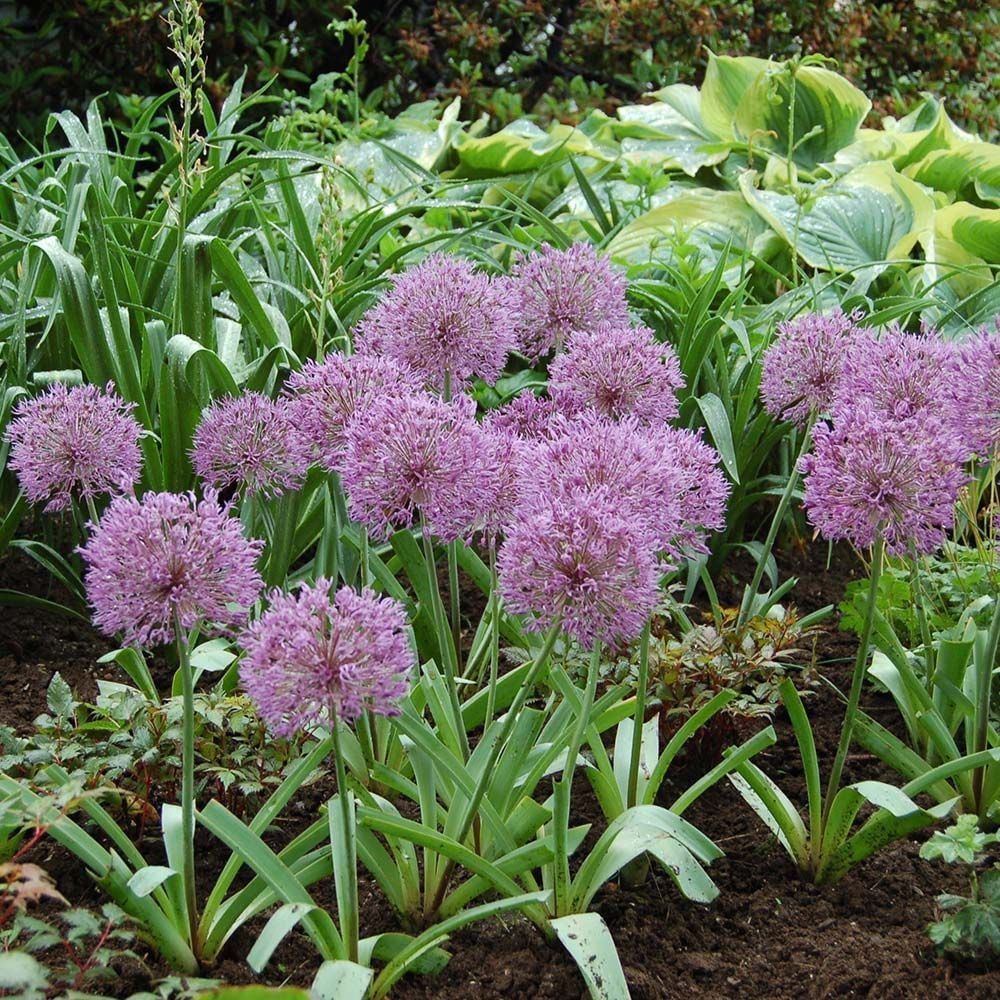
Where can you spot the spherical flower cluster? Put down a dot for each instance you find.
(310, 659)
(618, 370)
(444, 321)
(582, 561)
(415, 453)
(252, 443)
(664, 479)
(526, 416)
(869, 476)
(169, 559)
(564, 292)
(74, 441)
(901, 375)
(324, 396)
(801, 370)
(976, 392)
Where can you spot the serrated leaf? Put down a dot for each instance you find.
(59, 697)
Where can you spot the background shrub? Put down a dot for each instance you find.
(504, 58)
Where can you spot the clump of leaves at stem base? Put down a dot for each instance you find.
(752, 658)
(970, 925)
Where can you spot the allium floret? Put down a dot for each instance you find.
(250, 442)
(445, 321)
(75, 441)
(618, 371)
(801, 370)
(902, 376)
(310, 658)
(565, 292)
(169, 559)
(976, 392)
(412, 455)
(527, 416)
(581, 560)
(869, 476)
(664, 478)
(325, 396)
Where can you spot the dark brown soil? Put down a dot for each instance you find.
(769, 935)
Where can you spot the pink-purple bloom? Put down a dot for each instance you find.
(618, 370)
(250, 442)
(310, 659)
(901, 376)
(445, 321)
(564, 292)
(415, 455)
(582, 561)
(976, 392)
(666, 480)
(870, 476)
(76, 441)
(169, 560)
(325, 395)
(801, 370)
(528, 416)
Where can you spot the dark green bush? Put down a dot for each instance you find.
(506, 58)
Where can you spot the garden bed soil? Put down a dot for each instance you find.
(769, 936)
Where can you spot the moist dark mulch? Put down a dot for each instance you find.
(769, 936)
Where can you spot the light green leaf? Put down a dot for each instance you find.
(523, 146)
(976, 230)
(21, 972)
(869, 216)
(341, 981)
(145, 880)
(728, 80)
(828, 110)
(587, 938)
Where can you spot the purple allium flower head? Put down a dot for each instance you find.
(582, 558)
(169, 557)
(564, 292)
(252, 443)
(618, 370)
(415, 452)
(976, 392)
(326, 395)
(801, 369)
(901, 376)
(869, 475)
(76, 440)
(666, 479)
(309, 657)
(445, 321)
(526, 416)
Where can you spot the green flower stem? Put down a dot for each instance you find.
(454, 600)
(494, 613)
(92, 510)
(779, 515)
(560, 816)
(444, 637)
(520, 697)
(187, 777)
(363, 557)
(348, 913)
(854, 697)
(639, 718)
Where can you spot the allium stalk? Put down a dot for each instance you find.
(164, 568)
